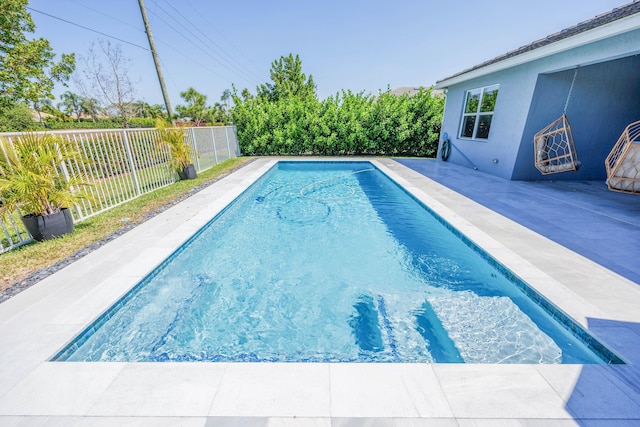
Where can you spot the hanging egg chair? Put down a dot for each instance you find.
(554, 148)
(623, 162)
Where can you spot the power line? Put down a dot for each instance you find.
(183, 36)
(138, 46)
(223, 37)
(175, 85)
(243, 75)
(192, 25)
(222, 51)
(194, 61)
(133, 44)
(108, 16)
(87, 28)
(165, 44)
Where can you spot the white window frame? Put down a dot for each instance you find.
(477, 113)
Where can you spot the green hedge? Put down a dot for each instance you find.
(114, 123)
(345, 124)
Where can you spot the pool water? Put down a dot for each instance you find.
(329, 262)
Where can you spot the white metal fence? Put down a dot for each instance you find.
(124, 164)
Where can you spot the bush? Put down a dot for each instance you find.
(345, 124)
(112, 123)
(17, 118)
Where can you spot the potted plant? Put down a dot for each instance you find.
(31, 179)
(181, 151)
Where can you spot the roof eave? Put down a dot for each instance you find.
(609, 30)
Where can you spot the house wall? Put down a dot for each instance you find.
(605, 98)
(497, 154)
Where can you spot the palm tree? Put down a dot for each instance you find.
(90, 106)
(226, 98)
(217, 113)
(70, 104)
(146, 110)
(156, 111)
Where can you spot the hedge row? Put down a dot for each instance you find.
(114, 123)
(345, 124)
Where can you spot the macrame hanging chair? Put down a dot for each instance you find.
(554, 148)
(623, 162)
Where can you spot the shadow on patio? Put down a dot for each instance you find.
(605, 394)
(583, 216)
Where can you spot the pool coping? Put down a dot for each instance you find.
(37, 323)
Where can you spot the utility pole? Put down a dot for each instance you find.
(156, 60)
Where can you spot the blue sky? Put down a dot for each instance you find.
(348, 44)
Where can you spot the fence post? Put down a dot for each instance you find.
(65, 173)
(213, 142)
(195, 148)
(235, 138)
(132, 165)
(67, 177)
(226, 134)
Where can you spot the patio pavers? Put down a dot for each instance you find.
(35, 324)
(583, 216)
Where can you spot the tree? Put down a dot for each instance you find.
(46, 106)
(225, 107)
(286, 118)
(148, 111)
(28, 71)
(196, 108)
(226, 99)
(246, 95)
(90, 106)
(16, 118)
(218, 113)
(288, 80)
(71, 104)
(106, 78)
(39, 105)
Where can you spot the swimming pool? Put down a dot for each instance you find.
(332, 262)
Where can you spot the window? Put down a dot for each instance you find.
(478, 112)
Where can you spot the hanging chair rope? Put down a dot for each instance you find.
(553, 146)
(573, 82)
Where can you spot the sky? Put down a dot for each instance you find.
(357, 45)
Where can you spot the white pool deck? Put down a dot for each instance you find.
(37, 323)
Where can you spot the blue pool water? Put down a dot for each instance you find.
(332, 261)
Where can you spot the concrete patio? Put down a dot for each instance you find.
(38, 322)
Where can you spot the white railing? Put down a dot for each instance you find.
(13, 232)
(124, 164)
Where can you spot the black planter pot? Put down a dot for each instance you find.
(50, 226)
(188, 172)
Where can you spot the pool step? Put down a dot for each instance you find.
(365, 325)
(374, 332)
(391, 339)
(369, 334)
(439, 344)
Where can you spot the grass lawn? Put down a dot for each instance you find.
(18, 264)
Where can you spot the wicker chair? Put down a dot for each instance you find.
(554, 148)
(623, 162)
